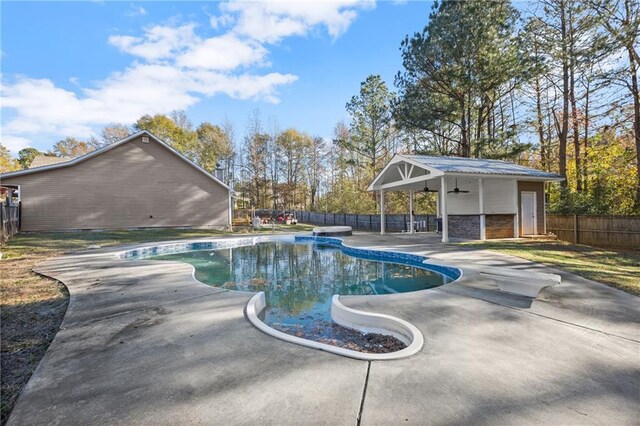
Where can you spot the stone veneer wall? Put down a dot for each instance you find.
(464, 226)
(498, 226)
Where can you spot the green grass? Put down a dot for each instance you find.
(32, 306)
(617, 268)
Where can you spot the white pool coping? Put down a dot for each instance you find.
(364, 322)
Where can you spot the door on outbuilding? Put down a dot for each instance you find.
(528, 210)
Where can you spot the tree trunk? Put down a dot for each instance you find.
(478, 144)
(633, 67)
(576, 130)
(572, 100)
(465, 149)
(586, 137)
(540, 125)
(562, 136)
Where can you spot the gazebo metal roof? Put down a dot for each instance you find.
(479, 166)
(406, 172)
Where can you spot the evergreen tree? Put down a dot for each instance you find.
(457, 73)
(372, 126)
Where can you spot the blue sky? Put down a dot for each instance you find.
(68, 68)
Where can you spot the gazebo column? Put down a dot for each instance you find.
(382, 212)
(443, 207)
(411, 211)
(483, 234)
(516, 221)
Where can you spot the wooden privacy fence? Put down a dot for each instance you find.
(371, 222)
(10, 219)
(602, 231)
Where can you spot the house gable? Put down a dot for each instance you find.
(132, 184)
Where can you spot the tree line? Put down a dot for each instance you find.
(554, 88)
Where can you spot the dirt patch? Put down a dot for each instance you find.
(342, 337)
(32, 308)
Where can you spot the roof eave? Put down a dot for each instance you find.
(77, 159)
(554, 178)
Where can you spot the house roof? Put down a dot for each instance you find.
(405, 172)
(479, 166)
(47, 160)
(107, 148)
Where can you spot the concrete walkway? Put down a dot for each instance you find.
(144, 343)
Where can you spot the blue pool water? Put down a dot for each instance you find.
(299, 278)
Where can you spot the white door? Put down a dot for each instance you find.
(528, 212)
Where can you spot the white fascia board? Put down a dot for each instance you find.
(409, 181)
(397, 158)
(391, 162)
(505, 176)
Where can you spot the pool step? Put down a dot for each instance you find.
(522, 283)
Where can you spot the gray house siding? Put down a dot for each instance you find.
(133, 185)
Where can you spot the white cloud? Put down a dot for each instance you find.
(135, 11)
(226, 52)
(14, 143)
(221, 21)
(158, 42)
(174, 68)
(43, 108)
(244, 86)
(272, 21)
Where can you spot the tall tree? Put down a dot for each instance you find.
(458, 71)
(112, 133)
(533, 40)
(621, 19)
(255, 168)
(181, 119)
(7, 162)
(179, 137)
(371, 122)
(315, 169)
(71, 147)
(229, 161)
(214, 144)
(26, 156)
(292, 148)
(557, 37)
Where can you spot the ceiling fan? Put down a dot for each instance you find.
(426, 186)
(426, 189)
(457, 190)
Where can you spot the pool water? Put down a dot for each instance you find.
(300, 278)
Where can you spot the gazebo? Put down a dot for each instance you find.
(477, 198)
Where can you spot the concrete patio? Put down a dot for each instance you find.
(144, 343)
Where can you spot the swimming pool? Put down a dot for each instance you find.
(300, 275)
